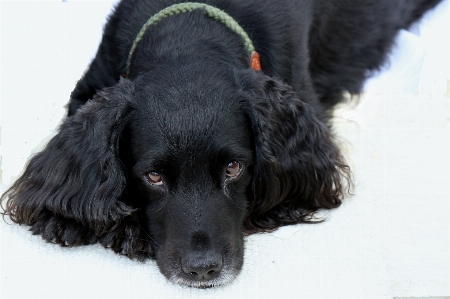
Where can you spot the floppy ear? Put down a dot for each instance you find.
(298, 167)
(78, 175)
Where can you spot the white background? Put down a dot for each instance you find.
(392, 238)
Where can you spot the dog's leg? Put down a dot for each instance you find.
(129, 239)
(421, 8)
(109, 62)
(98, 76)
(66, 232)
(350, 40)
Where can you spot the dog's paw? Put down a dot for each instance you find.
(63, 231)
(130, 240)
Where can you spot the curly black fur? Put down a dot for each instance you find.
(189, 107)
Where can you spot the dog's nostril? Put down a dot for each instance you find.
(202, 272)
(202, 268)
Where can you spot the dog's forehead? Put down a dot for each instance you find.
(188, 119)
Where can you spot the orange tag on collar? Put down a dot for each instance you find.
(255, 61)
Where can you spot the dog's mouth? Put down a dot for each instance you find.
(224, 277)
(204, 269)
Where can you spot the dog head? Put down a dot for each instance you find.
(180, 162)
(190, 148)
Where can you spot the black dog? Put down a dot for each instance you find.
(194, 148)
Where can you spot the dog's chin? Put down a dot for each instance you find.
(226, 276)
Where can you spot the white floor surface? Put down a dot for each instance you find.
(391, 239)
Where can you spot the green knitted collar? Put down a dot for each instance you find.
(210, 11)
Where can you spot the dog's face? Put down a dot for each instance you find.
(189, 150)
(178, 164)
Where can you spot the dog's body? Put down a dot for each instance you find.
(194, 148)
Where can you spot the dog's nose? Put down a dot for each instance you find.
(202, 267)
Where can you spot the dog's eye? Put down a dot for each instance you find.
(155, 178)
(233, 169)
